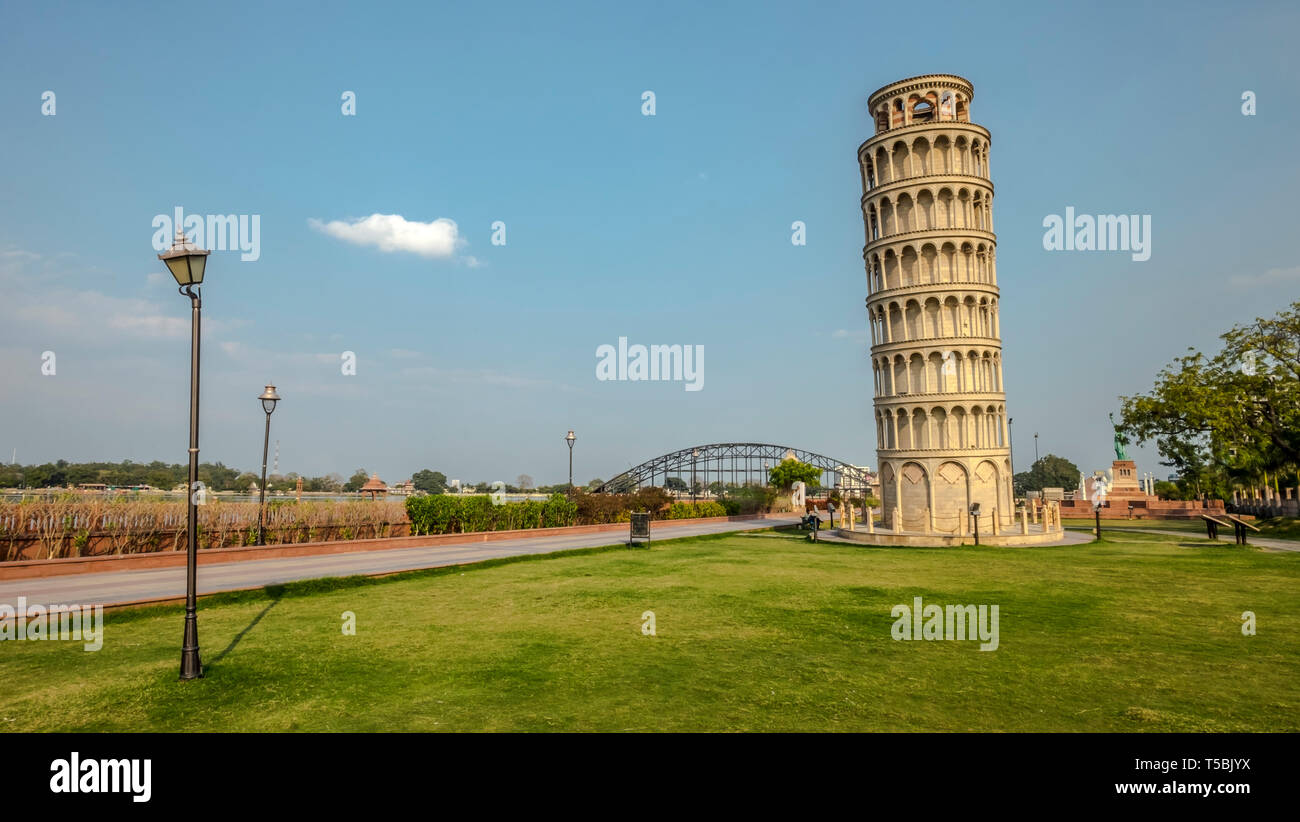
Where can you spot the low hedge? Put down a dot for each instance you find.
(693, 510)
(455, 514)
(448, 514)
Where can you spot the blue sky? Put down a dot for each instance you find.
(666, 229)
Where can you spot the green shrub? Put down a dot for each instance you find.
(749, 499)
(694, 510)
(448, 514)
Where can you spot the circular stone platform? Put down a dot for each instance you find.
(881, 536)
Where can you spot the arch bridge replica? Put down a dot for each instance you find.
(736, 463)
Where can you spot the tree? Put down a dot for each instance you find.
(791, 470)
(430, 482)
(1228, 419)
(357, 480)
(1049, 471)
(596, 483)
(676, 484)
(524, 482)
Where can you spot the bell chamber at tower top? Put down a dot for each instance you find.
(930, 98)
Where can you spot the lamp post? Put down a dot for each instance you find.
(569, 438)
(187, 262)
(1035, 447)
(269, 398)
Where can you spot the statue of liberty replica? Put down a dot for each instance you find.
(1123, 470)
(1121, 452)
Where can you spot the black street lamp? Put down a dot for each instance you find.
(269, 398)
(186, 262)
(569, 438)
(1035, 448)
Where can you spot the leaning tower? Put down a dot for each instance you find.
(936, 353)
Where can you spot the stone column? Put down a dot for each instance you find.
(1024, 521)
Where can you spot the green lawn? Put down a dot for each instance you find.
(755, 632)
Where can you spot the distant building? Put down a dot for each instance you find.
(374, 487)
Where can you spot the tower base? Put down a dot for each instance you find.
(913, 539)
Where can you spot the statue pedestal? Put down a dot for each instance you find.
(1124, 475)
(1125, 486)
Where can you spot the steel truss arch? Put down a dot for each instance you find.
(735, 463)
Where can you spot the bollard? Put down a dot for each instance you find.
(871, 520)
(1024, 521)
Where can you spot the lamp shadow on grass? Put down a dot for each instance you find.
(272, 591)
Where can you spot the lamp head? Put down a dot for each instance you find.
(185, 260)
(269, 398)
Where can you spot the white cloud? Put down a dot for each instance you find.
(35, 306)
(431, 375)
(151, 326)
(1270, 277)
(439, 239)
(79, 314)
(844, 334)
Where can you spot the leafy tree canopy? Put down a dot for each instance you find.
(430, 482)
(790, 471)
(357, 480)
(1226, 420)
(1049, 471)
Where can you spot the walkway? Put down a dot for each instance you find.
(168, 584)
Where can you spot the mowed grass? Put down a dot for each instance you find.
(757, 632)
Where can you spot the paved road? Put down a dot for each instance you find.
(117, 587)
